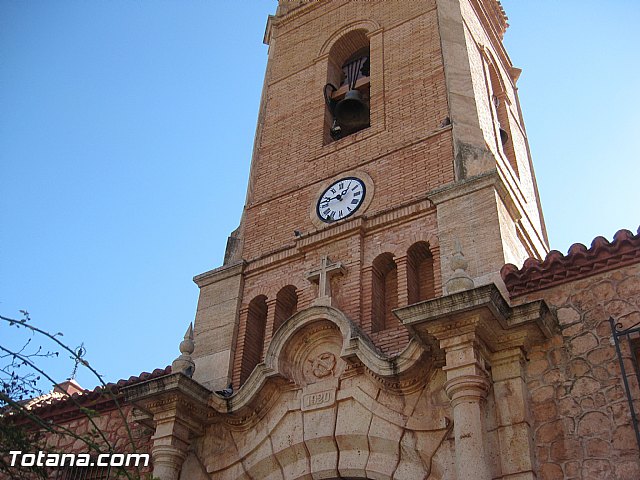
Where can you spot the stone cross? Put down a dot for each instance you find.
(322, 276)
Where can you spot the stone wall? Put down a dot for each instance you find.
(581, 418)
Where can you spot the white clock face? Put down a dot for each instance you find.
(341, 200)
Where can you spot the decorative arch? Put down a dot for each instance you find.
(421, 281)
(430, 238)
(500, 102)
(347, 92)
(384, 292)
(408, 366)
(254, 332)
(337, 444)
(368, 26)
(286, 305)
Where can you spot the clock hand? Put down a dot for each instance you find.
(344, 192)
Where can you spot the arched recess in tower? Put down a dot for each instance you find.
(254, 336)
(420, 273)
(500, 103)
(347, 92)
(384, 292)
(286, 305)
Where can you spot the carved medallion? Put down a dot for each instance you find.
(323, 365)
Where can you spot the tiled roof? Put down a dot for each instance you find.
(579, 262)
(101, 397)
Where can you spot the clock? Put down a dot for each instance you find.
(341, 199)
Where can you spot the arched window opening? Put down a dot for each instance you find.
(347, 92)
(254, 336)
(286, 305)
(384, 292)
(499, 100)
(420, 273)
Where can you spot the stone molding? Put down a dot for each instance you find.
(512, 197)
(467, 388)
(370, 26)
(493, 16)
(356, 350)
(485, 311)
(171, 394)
(218, 274)
(196, 406)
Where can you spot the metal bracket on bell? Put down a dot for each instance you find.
(336, 130)
(331, 103)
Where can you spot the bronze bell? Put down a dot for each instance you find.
(504, 136)
(352, 112)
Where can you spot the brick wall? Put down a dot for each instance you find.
(109, 423)
(408, 103)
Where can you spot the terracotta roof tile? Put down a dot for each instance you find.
(579, 262)
(102, 396)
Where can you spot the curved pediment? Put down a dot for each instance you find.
(316, 345)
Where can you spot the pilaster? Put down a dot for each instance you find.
(216, 324)
(178, 407)
(476, 328)
(170, 446)
(403, 281)
(467, 386)
(514, 435)
(271, 320)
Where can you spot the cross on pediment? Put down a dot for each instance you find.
(322, 276)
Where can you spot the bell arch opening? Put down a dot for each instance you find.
(347, 91)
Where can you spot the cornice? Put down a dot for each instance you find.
(290, 10)
(481, 311)
(175, 383)
(219, 274)
(494, 15)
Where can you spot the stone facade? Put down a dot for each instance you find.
(400, 342)
(579, 410)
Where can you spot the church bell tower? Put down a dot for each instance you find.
(391, 163)
(359, 327)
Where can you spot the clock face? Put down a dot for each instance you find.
(341, 200)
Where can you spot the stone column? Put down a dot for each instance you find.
(170, 445)
(467, 387)
(179, 408)
(472, 326)
(167, 461)
(514, 431)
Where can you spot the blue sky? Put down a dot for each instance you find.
(126, 130)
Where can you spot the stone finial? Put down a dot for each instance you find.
(184, 363)
(460, 280)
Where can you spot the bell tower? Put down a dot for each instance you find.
(390, 166)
